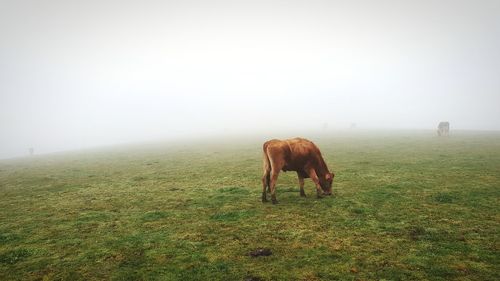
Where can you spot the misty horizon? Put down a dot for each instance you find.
(84, 74)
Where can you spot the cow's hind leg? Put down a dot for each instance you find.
(265, 184)
(274, 178)
(276, 166)
(269, 182)
(266, 165)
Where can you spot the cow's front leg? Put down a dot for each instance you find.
(315, 179)
(301, 185)
(274, 178)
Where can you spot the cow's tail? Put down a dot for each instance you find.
(266, 166)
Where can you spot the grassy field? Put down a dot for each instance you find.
(406, 206)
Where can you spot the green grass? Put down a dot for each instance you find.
(406, 206)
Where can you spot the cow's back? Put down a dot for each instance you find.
(292, 154)
(304, 152)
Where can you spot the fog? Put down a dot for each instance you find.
(77, 74)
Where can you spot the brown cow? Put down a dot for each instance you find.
(298, 155)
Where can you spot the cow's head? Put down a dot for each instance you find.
(326, 183)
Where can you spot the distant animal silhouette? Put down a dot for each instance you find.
(443, 129)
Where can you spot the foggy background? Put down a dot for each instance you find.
(75, 74)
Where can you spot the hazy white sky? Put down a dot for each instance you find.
(85, 73)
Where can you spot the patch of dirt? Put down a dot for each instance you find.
(416, 232)
(260, 252)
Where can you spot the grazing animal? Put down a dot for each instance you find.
(299, 155)
(443, 129)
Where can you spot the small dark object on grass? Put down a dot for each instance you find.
(253, 278)
(416, 232)
(260, 252)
